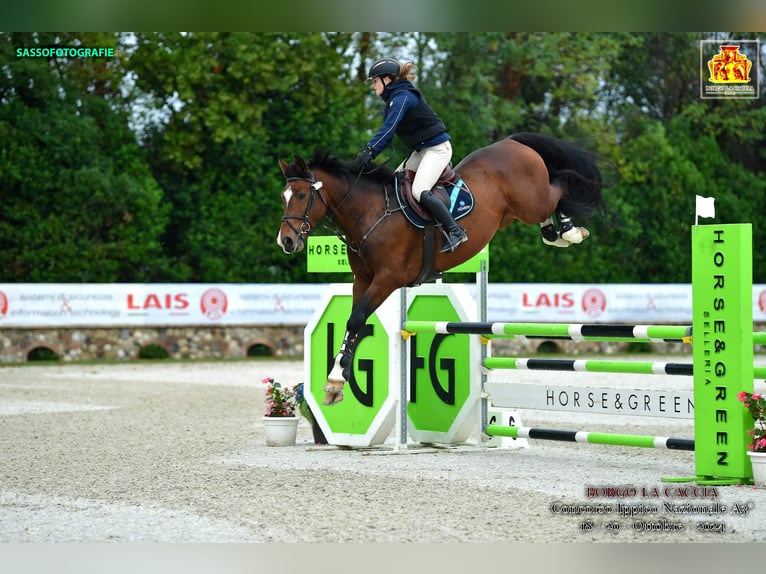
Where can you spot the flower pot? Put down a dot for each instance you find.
(759, 467)
(280, 431)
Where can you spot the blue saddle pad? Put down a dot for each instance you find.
(461, 202)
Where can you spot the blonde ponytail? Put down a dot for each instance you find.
(408, 71)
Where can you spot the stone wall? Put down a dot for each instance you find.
(87, 344)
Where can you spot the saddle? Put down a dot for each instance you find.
(449, 188)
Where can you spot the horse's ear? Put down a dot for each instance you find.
(300, 164)
(283, 166)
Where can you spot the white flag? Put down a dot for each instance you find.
(705, 207)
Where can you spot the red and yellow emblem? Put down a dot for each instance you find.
(728, 66)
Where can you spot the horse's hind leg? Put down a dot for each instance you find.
(567, 233)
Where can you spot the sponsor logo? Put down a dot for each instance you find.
(214, 303)
(593, 302)
(548, 300)
(175, 303)
(729, 70)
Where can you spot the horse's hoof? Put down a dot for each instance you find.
(560, 242)
(333, 385)
(333, 392)
(331, 398)
(575, 235)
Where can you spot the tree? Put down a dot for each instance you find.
(232, 104)
(78, 202)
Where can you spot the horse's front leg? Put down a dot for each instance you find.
(341, 369)
(368, 295)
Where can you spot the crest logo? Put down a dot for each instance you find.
(729, 66)
(214, 303)
(3, 305)
(727, 71)
(593, 302)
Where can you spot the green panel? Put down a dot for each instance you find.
(722, 279)
(326, 255)
(441, 384)
(352, 415)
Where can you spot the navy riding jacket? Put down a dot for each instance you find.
(407, 115)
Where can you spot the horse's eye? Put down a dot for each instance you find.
(301, 195)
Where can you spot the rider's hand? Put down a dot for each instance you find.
(366, 156)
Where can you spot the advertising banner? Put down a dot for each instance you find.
(169, 304)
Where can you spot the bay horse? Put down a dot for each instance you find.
(529, 177)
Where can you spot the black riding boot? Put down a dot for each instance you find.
(455, 234)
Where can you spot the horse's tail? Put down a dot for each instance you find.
(574, 168)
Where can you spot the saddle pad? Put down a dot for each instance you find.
(461, 203)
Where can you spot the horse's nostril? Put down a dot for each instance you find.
(287, 243)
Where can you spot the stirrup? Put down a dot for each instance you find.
(459, 236)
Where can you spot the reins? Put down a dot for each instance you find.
(305, 225)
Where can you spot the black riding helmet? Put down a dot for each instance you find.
(383, 67)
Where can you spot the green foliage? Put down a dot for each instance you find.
(42, 354)
(260, 350)
(152, 351)
(79, 203)
(234, 103)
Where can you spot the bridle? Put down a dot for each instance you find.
(305, 227)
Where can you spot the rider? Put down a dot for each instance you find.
(408, 115)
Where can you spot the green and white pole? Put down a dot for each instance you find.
(575, 332)
(592, 437)
(590, 366)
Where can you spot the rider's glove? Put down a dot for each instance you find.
(366, 156)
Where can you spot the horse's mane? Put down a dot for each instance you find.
(350, 170)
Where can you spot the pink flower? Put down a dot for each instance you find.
(280, 401)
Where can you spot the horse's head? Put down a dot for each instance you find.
(304, 205)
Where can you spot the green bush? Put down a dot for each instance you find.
(636, 347)
(259, 350)
(152, 351)
(42, 354)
